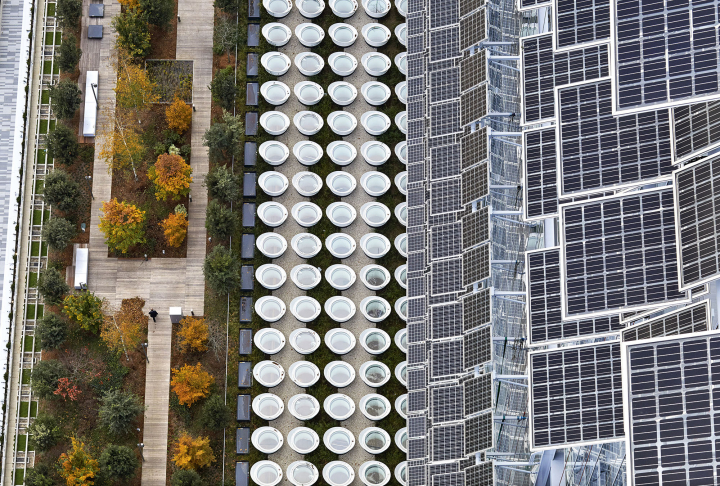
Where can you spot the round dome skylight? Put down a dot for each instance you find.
(267, 439)
(340, 341)
(339, 406)
(304, 340)
(304, 373)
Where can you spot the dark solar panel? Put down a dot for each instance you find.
(479, 433)
(446, 276)
(476, 264)
(473, 29)
(445, 161)
(541, 199)
(694, 318)
(473, 70)
(475, 228)
(477, 347)
(447, 442)
(476, 309)
(475, 183)
(475, 148)
(443, 13)
(446, 404)
(445, 241)
(696, 129)
(444, 43)
(478, 394)
(474, 104)
(446, 359)
(444, 85)
(445, 196)
(479, 475)
(581, 22)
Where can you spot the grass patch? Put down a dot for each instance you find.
(43, 126)
(26, 374)
(45, 97)
(40, 156)
(19, 476)
(33, 279)
(39, 185)
(58, 38)
(24, 409)
(33, 409)
(29, 345)
(49, 38)
(30, 311)
(50, 10)
(37, 249)
(21, 443)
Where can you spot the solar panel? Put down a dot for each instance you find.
(444, 43)
(598, 150)
(697, 218)
(580, 22)
(416, 332)
(475, 183)
(417, 448)
(475, 148)
(475, 228)
(576, 395)
(476, 309)
(447, 442)
(695, 129)
(415, 45)
(417, 378)
(416, 261)
(467, 6)
(416, 87)
(474, 104)
(445, 161)
(477, 347)
(447, 360)
(443, 13)
(619, 254)
(480, 475)
(543, 70)
(416, 196)
(473, 29)
(541, 191)
(449, 479)
(417, 401)
(478, 394)
(446, 321)
(416, 62)
(417, 426)
(446, 276)
(446, 241)
(416, 286)
(444, 85)
(416, 354)
(476, 264)
(473, 70)
(446, 404)
(544, 298)
(417, 307)
(694, 318)
(664, 54)
(445, 118)
(478, 433)
(443, 468)
(416, 473)
(416, 131)
(416, 241)
(445, 196)
(671, 394)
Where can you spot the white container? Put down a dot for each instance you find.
(374, 373)
(375, 406)
(266, 473)
(303, 440)
(306, 245)
(401, 274)
(401, 439)
(401, 405)
(304, 308)
(268, 406)
(307, 153)
(309, 93)
(305, 277)
(267, 439)
(309, 63)
(270, 308)
(278, 8)
(374, 473)
(401, 473)
(342, 122)
(341, 183)
(373, 339)
(375, 63)
(309, 34)
(339, 440)
(375, 122)
(401, 61)
(401, 181)
(269, 340)
(341, 214)
(340, 245)
(271, 213)
(401, 121)
(376, 153)
(401, 244)
(310, 8)
(338, 473)
(268, 373)
(342, 63)
(343, 8)
(340, 341)
(375, 93)
(374, 277)
(401, 151)
(401, 213)
(375, 183)
(401, 6)
(273, 183)
(343, 35)
(274, 122)
(376, 35)
(401, 340)
(375, 309)
(340, 309)
(401, 91)
(303, 406)
(341, 152)
(304, 341)
(304, 373)
(376, 9)
(272, 245)
(341, 277)
(275, 63)
(302, 473)
(401, 372)
(276, 34)
(342, 93)
(375, 214)
(339, 373)
(401, 308)
(307, 183)
(270, 276)
(306, 214)
(401, 33)
(275, 92)
(273, 152)
(374, 440)
(308, 122)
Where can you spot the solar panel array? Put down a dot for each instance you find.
(581, 22)
(696, 129)
(576, 395)
(694, 318)
(477, 347)
(672, 388)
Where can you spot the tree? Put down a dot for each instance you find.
(191, 383)
(184, 477)
(58, 232)
(61, 191)
(222, 184)
(85, 309)
(67, 389)
(224, 89)
(51, 330)
(45, 376)
(178, 115)
(44, 432)
(171, 176)
(118, 410)
(224, 139)
(125, 328)
(62, 144)
(52, 286)
(194, 334)
(77, 465)
(68, 54)
(227, 6)
(193, 452)
(215, 414)
(121, 145)
(134, 88)
(220, 221)
(222, 270)
(123, 225)
(65, 98)
(119, 462)
(159, 12)
(225, 38)
(40, 475)
(133, 33)
(175, 226)
(68, 13)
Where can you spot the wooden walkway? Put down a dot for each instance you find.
(167, 282)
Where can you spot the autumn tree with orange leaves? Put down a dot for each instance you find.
(193, 452)
(126, 327)
(121, 146)
(77, 466)
(123, 225)
(178, 115)
(193, 334)
(175, 226)
(191, 383)
(171, 176)
(134, 88)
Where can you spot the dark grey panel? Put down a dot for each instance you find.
(687, 320)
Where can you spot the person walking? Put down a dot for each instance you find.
(153, 313)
